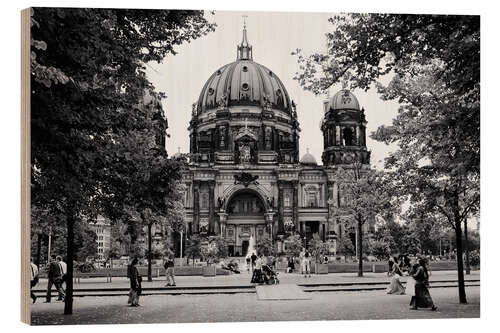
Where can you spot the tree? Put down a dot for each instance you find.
(87, 80)
(434, 61)
(364, 197)
(214, 249)
(345, 246)
(265, 246)
(318, 248)
(193, 247)
(293, 245)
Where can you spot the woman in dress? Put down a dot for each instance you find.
(422, 298)
(396, 287)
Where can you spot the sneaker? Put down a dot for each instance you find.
(434, 308)
(173, 285)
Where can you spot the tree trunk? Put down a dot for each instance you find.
(467, 262)
(38, 248)
(360, 249)
(150, 255)
(460, 261)
(68, 300)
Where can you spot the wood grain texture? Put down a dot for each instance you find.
(25, 167)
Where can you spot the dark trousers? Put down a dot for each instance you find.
(58, 283)
(32, 294)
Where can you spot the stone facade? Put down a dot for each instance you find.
(245, 178)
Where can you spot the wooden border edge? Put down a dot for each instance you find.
(25, 166)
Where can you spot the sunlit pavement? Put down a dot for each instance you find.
(246, 307)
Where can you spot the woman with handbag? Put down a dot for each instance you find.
(422, 298)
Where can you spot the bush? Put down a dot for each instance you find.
(474, 258)
(265, 246)
(318, 248)
(293, 245)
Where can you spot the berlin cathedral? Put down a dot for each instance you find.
(245, 177)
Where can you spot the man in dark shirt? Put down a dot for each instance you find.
(253, 258)
(55, 276)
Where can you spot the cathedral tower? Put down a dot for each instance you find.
(344, 131)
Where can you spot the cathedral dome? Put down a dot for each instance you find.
(243, 82)
(344, 100)
(308, 159)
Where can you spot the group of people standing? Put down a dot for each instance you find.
(56, 275)
(417, 285)
(304, 263)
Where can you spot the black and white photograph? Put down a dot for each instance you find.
(212, 166)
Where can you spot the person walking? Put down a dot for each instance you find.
(33, 280)
(395, 287)
(306, 265)
(55, 278)
(64, 270)
(422, 298)
(135, 283)
(247, 259)
(253, 259)
(169, 270)
(291, 264)
(302, 255)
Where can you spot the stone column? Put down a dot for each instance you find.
(196, 206)
(295, 185)
(281, 229)
(211, 208)
(269, 223)
(358, 135)
(222, 220)
(338, 137)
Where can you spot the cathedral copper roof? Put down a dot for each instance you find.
(244, 82)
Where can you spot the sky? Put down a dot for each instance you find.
(273, 35)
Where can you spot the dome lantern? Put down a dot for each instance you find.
(244, 49)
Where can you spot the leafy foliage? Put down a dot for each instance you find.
(265, 246)
(215, 249)
(318, 248)
(293, 245)
(433, 62)
(97, 126)
(193, 247)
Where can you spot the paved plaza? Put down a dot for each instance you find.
(246, 307)
(338, 305)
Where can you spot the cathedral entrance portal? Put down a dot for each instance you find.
(244, 247)
(246, 216)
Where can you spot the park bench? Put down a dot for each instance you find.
(100, 274)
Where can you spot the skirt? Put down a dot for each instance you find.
(396, 287)
(410, 286)
(422, 298)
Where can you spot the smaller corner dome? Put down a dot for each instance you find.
(344, 100)
(308, 159)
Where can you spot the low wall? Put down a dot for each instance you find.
(337, 267)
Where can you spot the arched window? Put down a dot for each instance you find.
(348, 136)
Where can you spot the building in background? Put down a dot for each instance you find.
(245, 177)
(102, 228)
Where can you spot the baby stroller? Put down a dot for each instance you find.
(270, 277)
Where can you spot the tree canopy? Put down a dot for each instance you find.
(432, 62)
(95, 134)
